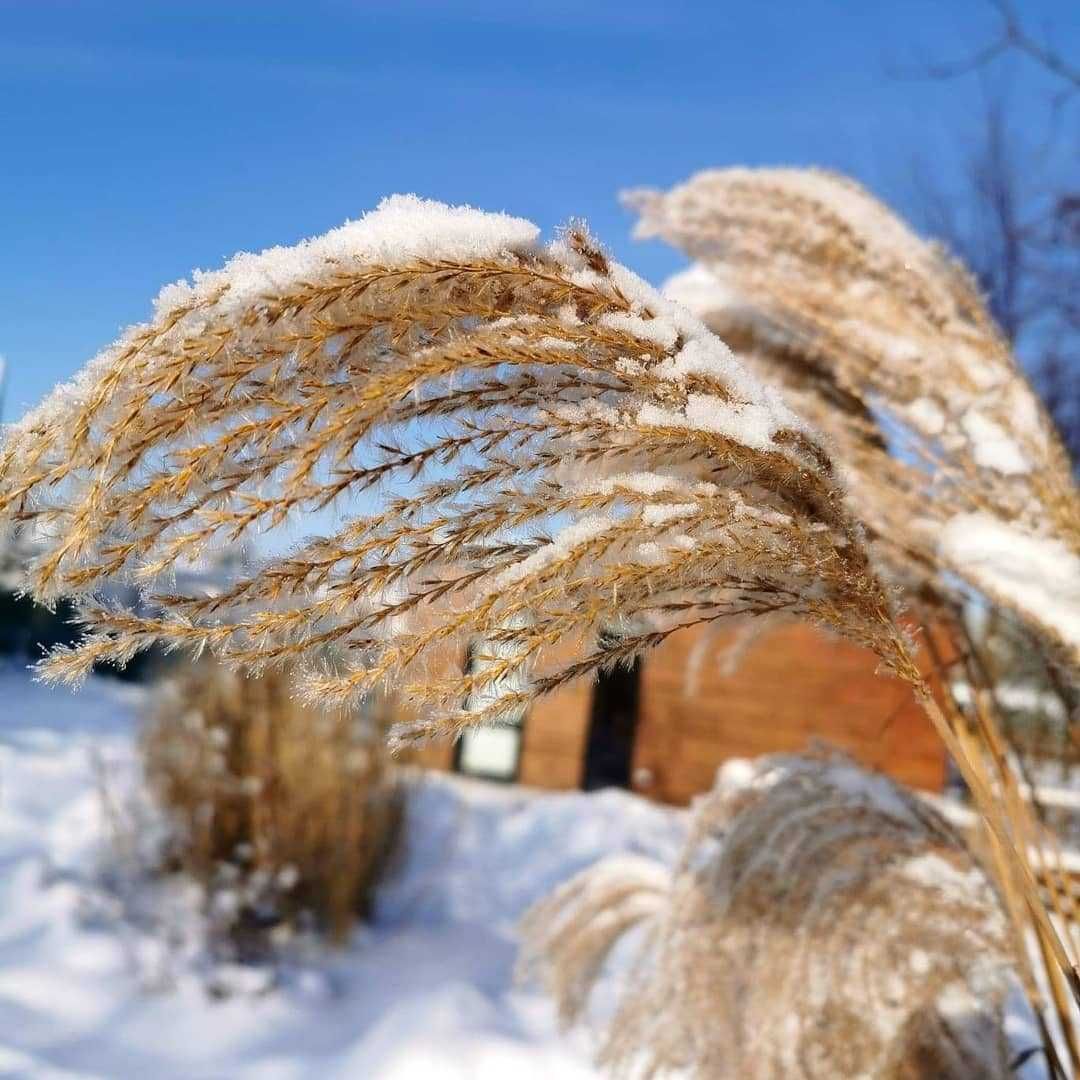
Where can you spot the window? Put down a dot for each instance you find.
(491, 751)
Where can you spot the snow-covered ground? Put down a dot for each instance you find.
(425, 992)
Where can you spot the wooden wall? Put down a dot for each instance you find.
(794, 684)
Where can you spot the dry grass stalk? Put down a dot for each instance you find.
(279, 810)
(978, 728)
(1041, 968)
(822, 923)
(555, 448)
(883, 342)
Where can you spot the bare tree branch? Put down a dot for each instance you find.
(1012, 36)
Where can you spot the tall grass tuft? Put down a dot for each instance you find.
(285, 814)
(551, 447)
(821, 922)
(883, 341)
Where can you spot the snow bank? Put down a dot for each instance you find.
(426, 992)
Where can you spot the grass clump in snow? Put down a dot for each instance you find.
(821, 922)
(285, 814)
(553, 459)
(883, 342)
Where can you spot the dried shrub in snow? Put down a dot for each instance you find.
(822, 923)
(883, 342)
(283, 813)
(551, 449)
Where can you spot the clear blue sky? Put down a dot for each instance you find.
(141, 139)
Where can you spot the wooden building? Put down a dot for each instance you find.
(645, 729)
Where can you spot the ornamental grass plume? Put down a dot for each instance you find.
(821, 922)
(883, 342)
(551, 448)
(539, 450)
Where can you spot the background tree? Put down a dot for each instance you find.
(1014, 215)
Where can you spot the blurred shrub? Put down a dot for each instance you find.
(285, 814)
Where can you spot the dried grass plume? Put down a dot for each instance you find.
(883, 342)
(822, 922)
(288, 813)
(546, 450)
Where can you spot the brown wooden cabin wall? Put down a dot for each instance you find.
(793, 685)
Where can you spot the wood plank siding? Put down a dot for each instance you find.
(793, 684)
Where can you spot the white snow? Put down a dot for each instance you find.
(856, 784)
(926, 415)
(661, 514)
(935, 871)
(700, 291)
(1039, 575)
(755, 414)
(985, 373)
(424, 994)
(657, 331)
(400, 230)
(748, 424)
(1018, 697)
(1024, 413)
(562, 544)
(992, 446)
(643, 483)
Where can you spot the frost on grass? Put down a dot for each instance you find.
(554, 460)
(821, 922)
(883, 343)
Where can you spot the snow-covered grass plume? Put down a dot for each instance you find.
(822, 922)
(555, 456)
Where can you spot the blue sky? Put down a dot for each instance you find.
(142, 139)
